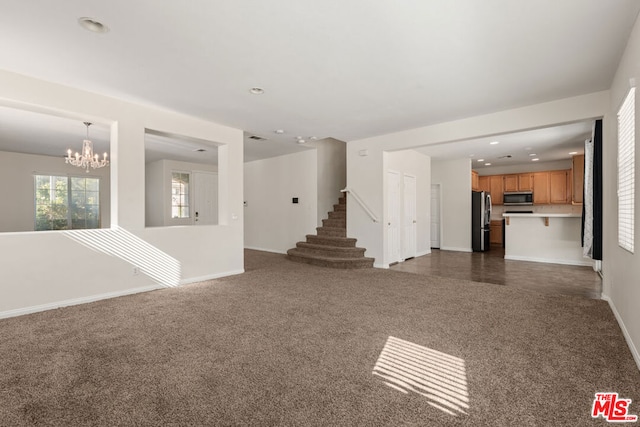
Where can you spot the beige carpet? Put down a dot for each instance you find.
(296, 345)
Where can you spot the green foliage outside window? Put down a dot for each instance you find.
(64, 203)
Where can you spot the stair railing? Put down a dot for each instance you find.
(362, 204)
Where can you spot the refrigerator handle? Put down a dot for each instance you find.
(490, 207)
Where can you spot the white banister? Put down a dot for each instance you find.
(362, 204)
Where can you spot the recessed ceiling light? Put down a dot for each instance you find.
(313, 138)
(535, 160)
(532, 154)
(481, 160)
(256, 90)
(91, 24)
(573, 152)
(494, 142)
(302, 141)
(279, 131)
(487, 164)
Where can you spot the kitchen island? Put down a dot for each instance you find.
(544, 237)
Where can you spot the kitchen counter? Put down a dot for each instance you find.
(544, 237)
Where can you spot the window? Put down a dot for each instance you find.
(626, 171)
(65, 203)
(179, 195)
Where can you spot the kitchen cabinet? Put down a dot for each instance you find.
(541, 188)
(474, 180)
(484, 183)
(525, 182)
(559, 187)
(495, 234)
(577, 179)
(510, 182)
(496, 189)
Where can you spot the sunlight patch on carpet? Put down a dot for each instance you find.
(439, 377)
(125, 245)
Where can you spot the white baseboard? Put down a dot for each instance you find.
(210, 277)
(98, 297)
(77, 301)
(423, 253)
(273, 251)
(625, 332)
(380, 265)
(549, 260)
(451, 248)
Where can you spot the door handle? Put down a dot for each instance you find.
(414, 221)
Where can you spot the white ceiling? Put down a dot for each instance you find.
(546, 145)
(346, 70)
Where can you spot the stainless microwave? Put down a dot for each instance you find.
(517, 198)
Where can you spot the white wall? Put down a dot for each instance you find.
(17, 187)
(272, 222)
(621, 269)
(200, 252)
(454, 177)
(365, 173)
(332, 174)
(414, 163)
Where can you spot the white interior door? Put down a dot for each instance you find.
(205, 198)
(393, 217)
(409, 223)
(435, 215)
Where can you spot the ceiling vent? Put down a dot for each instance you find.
(257, 138)
(199, 150)
(508, 156)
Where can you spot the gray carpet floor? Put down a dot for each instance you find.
(297, 345)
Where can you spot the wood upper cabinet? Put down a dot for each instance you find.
(541, 188)
(510, 183)
(577, 179)
(484, 183)
(474, 180)
(525, 182)
(559, 187)
(496, 189)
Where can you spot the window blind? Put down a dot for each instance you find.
(626, 171)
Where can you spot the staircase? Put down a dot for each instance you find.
(331, 247)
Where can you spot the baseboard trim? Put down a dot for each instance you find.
(423, 253)
(380, 265)
(451, 248)
(549, 260)
(77, 301)
(210, 277)
(108, 295)
(625, 332)
(273, 251)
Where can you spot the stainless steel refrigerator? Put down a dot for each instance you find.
(480, 220)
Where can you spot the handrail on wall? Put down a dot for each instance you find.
(359, 200)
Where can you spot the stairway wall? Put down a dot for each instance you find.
(332, 173)
(271, 221)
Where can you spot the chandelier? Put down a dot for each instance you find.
(86, 159)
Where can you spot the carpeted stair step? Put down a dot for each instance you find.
(332, 231)
(330, 251)
(344, 242)
(314, 259)
(340, 208)
(342, 200)
(336, 223)
(338, 215)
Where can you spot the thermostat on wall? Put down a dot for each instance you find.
(294, 200)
